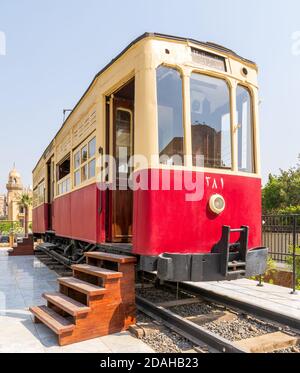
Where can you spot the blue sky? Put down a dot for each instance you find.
(54, 49)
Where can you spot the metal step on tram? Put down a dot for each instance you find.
(233, 262)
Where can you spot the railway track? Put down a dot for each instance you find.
(248, 308)
(215, 326)
(187, 329)
(210, 322)
(54, 264)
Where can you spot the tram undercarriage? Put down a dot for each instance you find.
(227, 261)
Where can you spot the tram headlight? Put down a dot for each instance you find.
(217, 204)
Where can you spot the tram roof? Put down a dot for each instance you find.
(210, 45)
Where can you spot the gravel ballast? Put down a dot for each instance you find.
(241, 327)
(196, 309)
(161, 295)
(164, 340)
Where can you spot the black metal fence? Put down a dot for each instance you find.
(281, 234)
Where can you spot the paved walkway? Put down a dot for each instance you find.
(22, 281)
(271, 297)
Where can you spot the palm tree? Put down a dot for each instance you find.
(25, 201)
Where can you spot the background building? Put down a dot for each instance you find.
(3, 207)
(15, 189)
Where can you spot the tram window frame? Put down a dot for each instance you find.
(121, 160)
(64, 168)
(35, 197)
(227, 122)
(172, 157)
(64, 176)
(41, 193)
(250, 137)
(38, 195)
(82, 172)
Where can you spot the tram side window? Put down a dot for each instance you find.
(210, 115)
(84, 162)
(63, 169)
(170, 116)
(41, 193)
(63, 177)
(35, 197)
(38, 195)
(245, 130)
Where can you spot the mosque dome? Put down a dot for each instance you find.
(14, 174)
(14, 178)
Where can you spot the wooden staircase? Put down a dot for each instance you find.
(26, 247)
(98, 300)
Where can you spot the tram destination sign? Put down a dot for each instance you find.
(208, 59)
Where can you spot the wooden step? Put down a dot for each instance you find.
(67, 304)
(52, 319)
(96, 271)
(81, 286)
(111, 257)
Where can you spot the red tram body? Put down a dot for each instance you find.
(133, 104)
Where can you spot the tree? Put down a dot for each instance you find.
(283, 191)
(25, 201)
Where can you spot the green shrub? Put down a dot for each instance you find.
(290, 210)
(290, 262)
(282, 191)
(271, 266)
(7, 227)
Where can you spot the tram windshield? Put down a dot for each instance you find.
(210, 116)
(210, 108)
(170, 116)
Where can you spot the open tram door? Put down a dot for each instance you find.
(50, 190)
(120, 143)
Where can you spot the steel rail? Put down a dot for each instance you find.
(186, 328)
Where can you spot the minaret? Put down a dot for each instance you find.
(14, 190)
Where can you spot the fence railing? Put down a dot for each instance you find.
(281, 234)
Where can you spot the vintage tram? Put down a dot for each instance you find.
(176, 120)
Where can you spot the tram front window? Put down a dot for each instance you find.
(170, 114)
(210, 115)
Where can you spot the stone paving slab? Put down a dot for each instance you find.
(22, 281)
(270, 297)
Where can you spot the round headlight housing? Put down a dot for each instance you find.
(217, 204)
